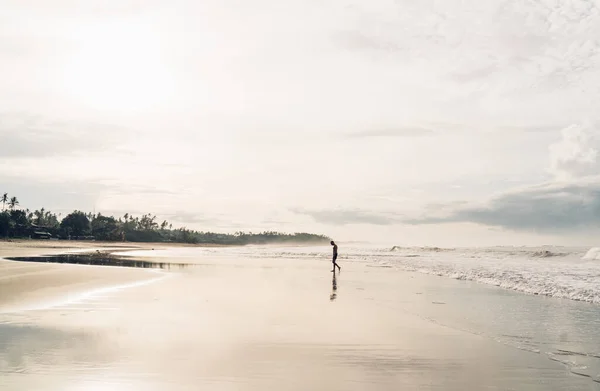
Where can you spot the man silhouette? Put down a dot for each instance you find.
(335, 254)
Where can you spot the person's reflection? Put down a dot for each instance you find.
(333, 295)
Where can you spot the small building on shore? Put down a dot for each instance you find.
(41, 235)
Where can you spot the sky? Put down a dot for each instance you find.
(406, 122)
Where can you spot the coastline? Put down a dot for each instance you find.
(26, 282)
(39, 247)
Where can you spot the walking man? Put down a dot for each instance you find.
(335, 254)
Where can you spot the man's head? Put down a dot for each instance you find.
(332, 243)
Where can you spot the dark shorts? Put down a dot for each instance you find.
(334, 257)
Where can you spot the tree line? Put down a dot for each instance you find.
(23, 223)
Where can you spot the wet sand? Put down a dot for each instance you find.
(23, 248)
(26, 284)
(255, 324)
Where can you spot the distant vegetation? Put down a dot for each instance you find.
(43, 224)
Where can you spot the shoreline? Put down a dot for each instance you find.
(41, 247)
(26, 285)
(51, 269)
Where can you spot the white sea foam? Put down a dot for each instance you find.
(593, 254)
(557, 272)
(562, 272)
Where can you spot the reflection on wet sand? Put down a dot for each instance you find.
(25, 346)
(100, 259)
(333, 295)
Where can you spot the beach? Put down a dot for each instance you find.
(261, 317)
(34, 285)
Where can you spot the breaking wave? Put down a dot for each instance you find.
(593, 254)
(431, 249)
(547, 254)
(557, 272)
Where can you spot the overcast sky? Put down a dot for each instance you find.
(410, 122)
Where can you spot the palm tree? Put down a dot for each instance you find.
(13, 203)
(39, 216)
(4, 200)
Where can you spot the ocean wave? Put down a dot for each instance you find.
(508, 251)
(555, 271)
(593, 254)
(561, 275)
(521, 283)
(431, 249)
(547, 254)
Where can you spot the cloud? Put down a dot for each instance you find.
(92, 8)
(473, 75)
(529, 128)
(190, 218)
(348, 216)
(357, 40)
(30, 135)
(59, 196)
(577, 153)
(392, 132)
(554, 207)
(570, 202)
(297, 103)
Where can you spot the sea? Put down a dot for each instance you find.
(542, 301)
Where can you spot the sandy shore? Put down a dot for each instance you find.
(26, 284)
(23, 248)
(248, 324)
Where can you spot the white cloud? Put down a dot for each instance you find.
(569, 203)
(577, 153)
